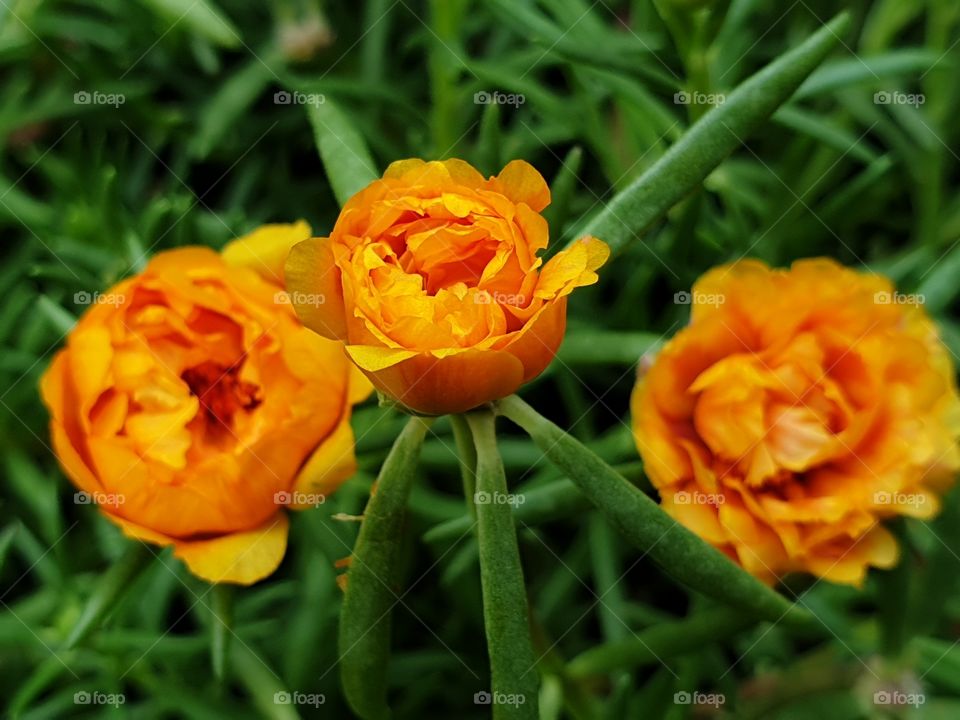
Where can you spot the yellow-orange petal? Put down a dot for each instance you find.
(455, 383)
(877, 548)
(399, 168)
(71, 461)
(265, 249)
(330, 465)
(523, 184)
(463, 172)
(240, 558)
(313, 283)
(359, 387)
(373, 358)
(536, 344)
(571, 268)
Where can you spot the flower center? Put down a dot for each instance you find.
(220, 391)
(444, 251)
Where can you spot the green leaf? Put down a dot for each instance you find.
(60, 318)
(711, 139)
(487, 153)
(343, 151)
(679, 552)
(606, 347)
(112, 587)
(861, 69)
(827, 131)
(562, 190)
(6, 537)
(264, 686)
(199, 16)
(505, 613)
(370, 594)
(653, 645)
(939, 286)
(939, 662)
(557, 499)
(229, 106)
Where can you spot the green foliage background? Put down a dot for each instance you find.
(200, 152)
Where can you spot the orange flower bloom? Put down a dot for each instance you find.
(192, 406)
(798, 410)
(432, 278)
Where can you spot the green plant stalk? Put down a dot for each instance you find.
(513, 669)
(467, 455)
(221, 629)
(111, 589)
(364, 641)
(711, 139)
(664, 640)
(680, 553)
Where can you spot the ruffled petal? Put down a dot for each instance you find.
(265, 249)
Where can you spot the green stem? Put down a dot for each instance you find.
(514, 678)
(222, 628)
(370, 594)
(467, 454)
(711, 139)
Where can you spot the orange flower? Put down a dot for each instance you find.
(798, 410)
(432, 278)
(192, 406)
